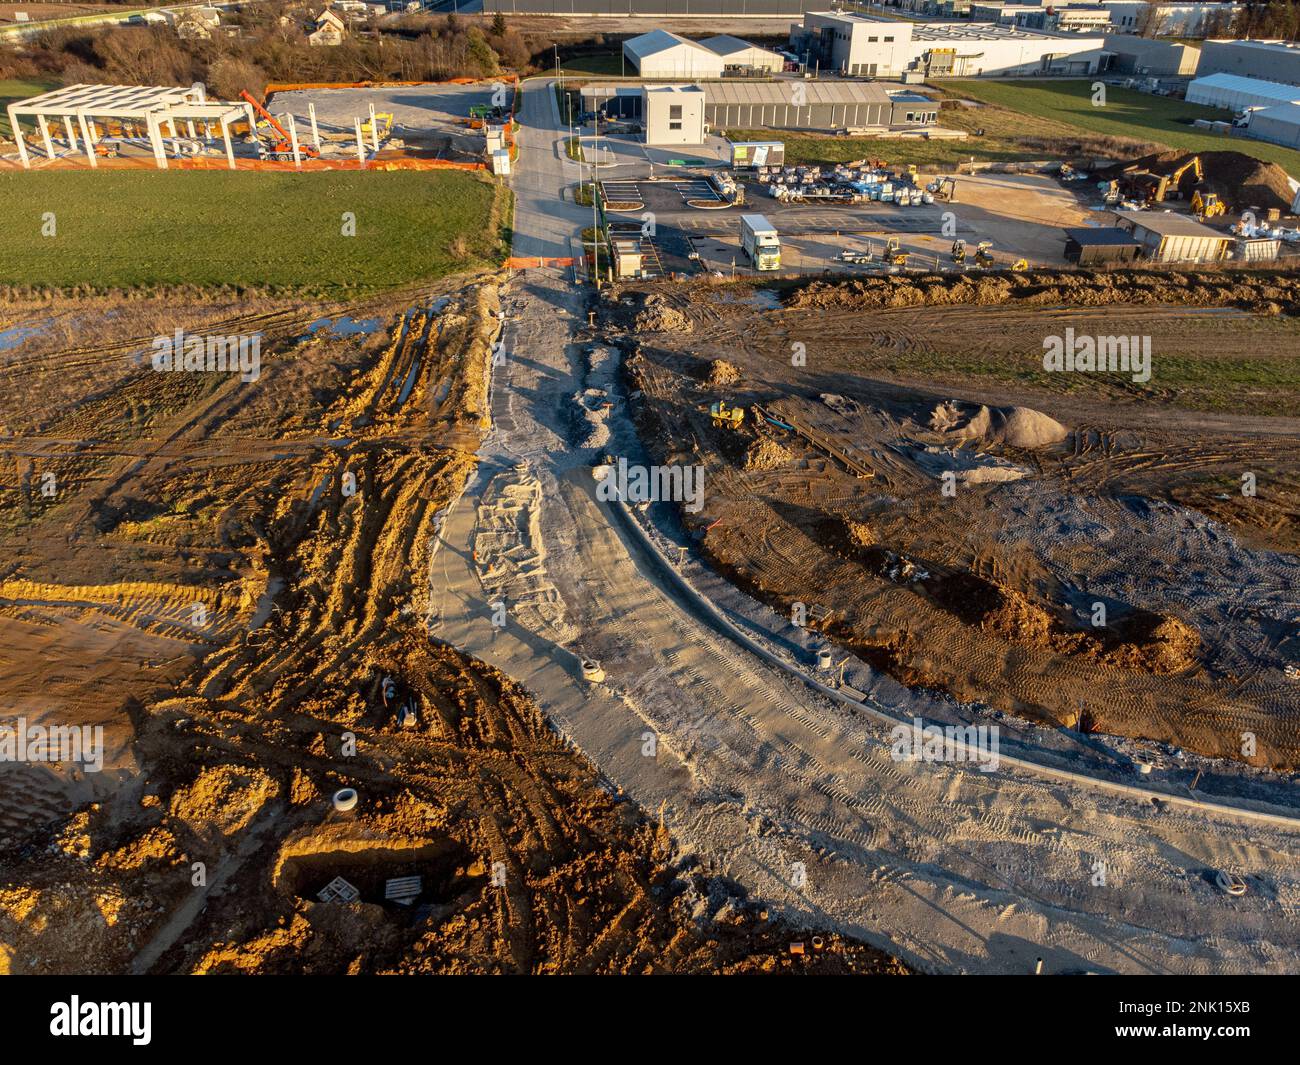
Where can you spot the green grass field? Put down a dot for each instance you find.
(282, 232)
(19, 89)
(1126, 114)
(819, 148)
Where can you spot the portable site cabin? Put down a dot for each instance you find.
(1109, 245)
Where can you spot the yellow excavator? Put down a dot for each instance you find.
(959, 252)
(1020, 265)
(1207, 205)
(725, 416)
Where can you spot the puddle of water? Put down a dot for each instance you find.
(17, 335)
(344, 326)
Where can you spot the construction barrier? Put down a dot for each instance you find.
(534, 263)
(285, 166)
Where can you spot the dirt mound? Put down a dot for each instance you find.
(1016, 426)
(1240, 181)
(658, 316)
(767, 454)
(722, 372)
(1251, 291)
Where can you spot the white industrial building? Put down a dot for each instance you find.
(886, 48)
(1152, 58)
(660, 54)
(741, 57)
(1172, 19)
(1267, 60)
(1234, 93)
(1278, 125)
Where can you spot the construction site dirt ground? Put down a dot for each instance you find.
(222, 574)
(425, 117)
(1094, 562)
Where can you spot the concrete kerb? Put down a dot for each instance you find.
(629, 521)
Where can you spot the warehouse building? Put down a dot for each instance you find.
(1234, 93)
(1277, 125)
(1066, 18)
(817, 105)
(1208, 19)
(1152, 58)
(1174, 238)
(887, 48)
(659, 54)
(741, 59)
(1266, 60)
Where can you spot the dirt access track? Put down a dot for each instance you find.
(961, 520)
(222, 575)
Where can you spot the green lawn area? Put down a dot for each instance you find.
(1125, 114)
(270, 230)
(19, 89)
(609, 64)
(819, 148)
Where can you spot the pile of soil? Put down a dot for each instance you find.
(657, 316)
(1274, 292)
(722, 373)
(1017, 426)
(766, 454)
(1240, 181)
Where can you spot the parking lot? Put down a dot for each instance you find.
(814, 235)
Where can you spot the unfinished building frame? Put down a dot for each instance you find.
(83, 107)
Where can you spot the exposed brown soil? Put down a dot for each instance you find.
(300, 514)
(1240, 181)
(1254, 291)
(991, 592)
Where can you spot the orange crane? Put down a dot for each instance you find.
(283, 149)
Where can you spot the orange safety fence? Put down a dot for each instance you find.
(146, 162)
(516, 263)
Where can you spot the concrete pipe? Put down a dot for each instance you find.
(345, 799)
(824, 658)
(591, 671)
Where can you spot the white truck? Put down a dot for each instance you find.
(759, 242)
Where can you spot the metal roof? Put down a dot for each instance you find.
(780, 92)
(724, 45)
(656, 41)
(1168, 224)
(1107, 237)
(1267, 90)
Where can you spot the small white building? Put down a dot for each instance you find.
(1235, 93)
(1277, 125)
(1192, 19)
(659, 54)
(1174, 238)
(674, 114)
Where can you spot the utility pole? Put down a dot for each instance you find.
(595, 224)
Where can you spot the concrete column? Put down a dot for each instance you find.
(85, 137)
(71, 130)
(189, 128)
(155, 141)
(315, 133)
(225, 137)
(18, 136)
(293, 141)
(361, 144)
(374, 129)
(44, 126)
